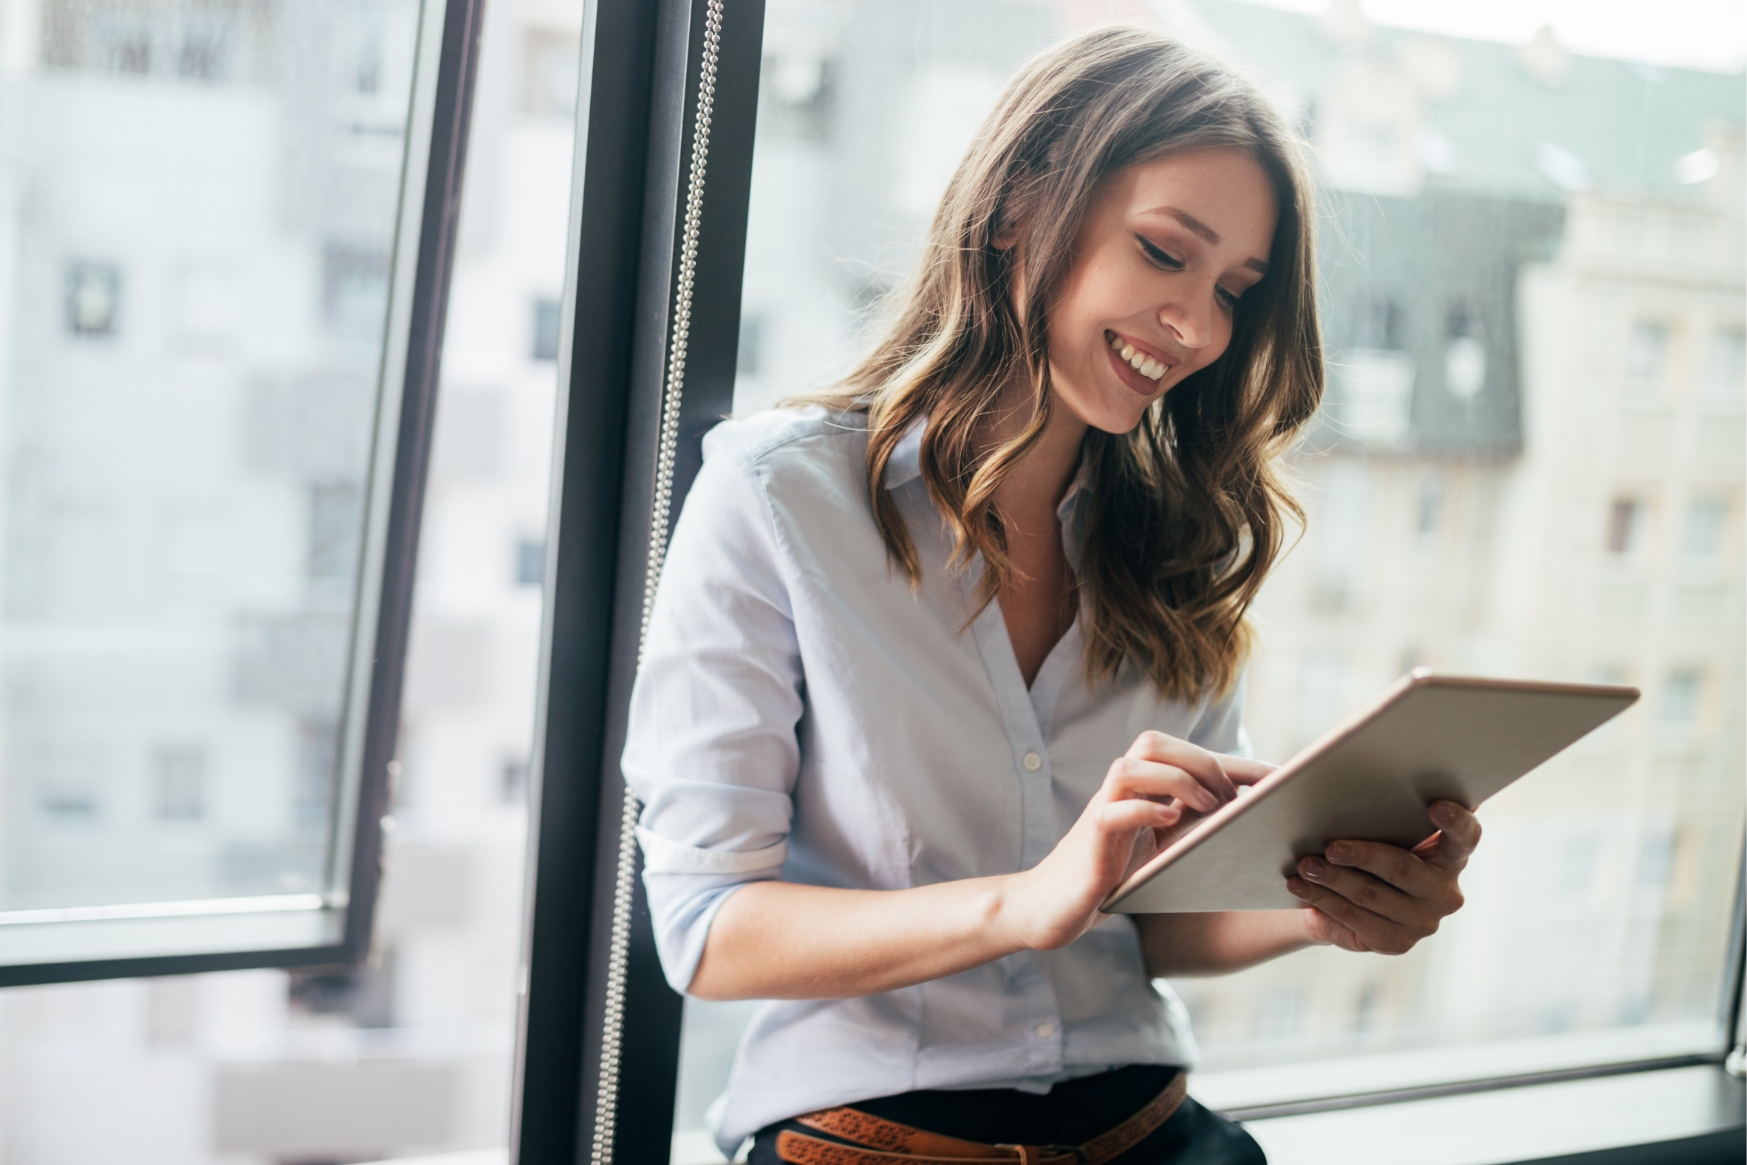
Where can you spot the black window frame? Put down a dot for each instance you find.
(441, 100)
(599, 1029)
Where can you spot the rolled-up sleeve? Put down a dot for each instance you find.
(711, 745)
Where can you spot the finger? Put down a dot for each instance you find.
(1130, 777)
(1460, 831)
(1390, 863)
(1375, 933)
(1123, 816)
(1243, 770)
(1324, 929)
(1372, 894)
(1204, 766)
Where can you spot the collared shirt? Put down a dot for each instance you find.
(803, 714)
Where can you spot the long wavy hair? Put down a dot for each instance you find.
(1188, 511)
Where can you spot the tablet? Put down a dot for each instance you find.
(1427, 738)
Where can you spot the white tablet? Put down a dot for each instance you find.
(1427, 738)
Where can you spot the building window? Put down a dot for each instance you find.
(1706, 519)
(1624, 519)
(530, 562)
(354, 289)
(130, 47)
(180, 772)
(335, 526)
(1430, 511)
(201, 55)
(513, 780)
(318, 761)
(1382, 323)
(1647, 354)
(748, 358)
(1726, 369)
(1464, 355)
(546, 313)
(1680, 699)
(93, 299)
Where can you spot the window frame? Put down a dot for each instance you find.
(332, 927)
(584, 1090)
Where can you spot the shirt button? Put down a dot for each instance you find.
(1033, 762)
(1045, 1030)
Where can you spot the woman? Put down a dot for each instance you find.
(903, 632)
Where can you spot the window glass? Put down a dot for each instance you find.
(411, 1054)
(199, 203)
(1510, 289)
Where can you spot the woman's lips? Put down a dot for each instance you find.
(1125, 354)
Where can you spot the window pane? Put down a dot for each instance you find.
(412, 1054)
(200, 206)
(1501, 419)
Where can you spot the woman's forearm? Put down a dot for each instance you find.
(780, 940)
(1214, 944)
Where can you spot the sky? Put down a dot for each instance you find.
(1704, 34)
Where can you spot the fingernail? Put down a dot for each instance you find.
(1443, 813)
(1297, 887)
(1340, 852)
(1313, 868)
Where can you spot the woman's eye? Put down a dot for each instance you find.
(1159, 257)
(1230, 298)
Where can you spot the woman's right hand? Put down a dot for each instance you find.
(1152, 794)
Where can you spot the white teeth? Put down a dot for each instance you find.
(1138, 360)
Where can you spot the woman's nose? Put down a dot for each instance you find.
(1191, 322)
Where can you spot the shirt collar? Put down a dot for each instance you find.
(905, 466)
(905, 463)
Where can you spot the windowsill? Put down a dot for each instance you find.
(1506, 1124)
(1527, 1123)
(1369, 1078)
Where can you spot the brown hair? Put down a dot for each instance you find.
(1188, 512)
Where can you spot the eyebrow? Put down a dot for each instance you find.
(1202, 230)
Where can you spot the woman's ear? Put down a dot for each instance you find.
(1006, 235)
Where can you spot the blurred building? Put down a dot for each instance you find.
(1530, 460)
(1530, 463)
(229, 351)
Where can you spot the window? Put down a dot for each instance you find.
(1434, 428)
(1726, 368)
(1464, 355)
(545, 329)
(335, 523)
(1429, 513)
(1681, 693)
(530, 562)
(1706, 519)
(751, 346)
(204, 389)
(93, 299)
(1647, 355)
(1625, 518)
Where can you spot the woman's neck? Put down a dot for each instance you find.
(1029, 496)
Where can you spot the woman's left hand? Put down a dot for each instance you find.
(1368, 896)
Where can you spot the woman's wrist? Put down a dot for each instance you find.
(1002, 915)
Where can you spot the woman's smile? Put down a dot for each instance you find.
(1141, 367)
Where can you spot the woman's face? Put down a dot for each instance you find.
(1167, 250)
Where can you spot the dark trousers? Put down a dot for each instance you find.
(1069, 1114)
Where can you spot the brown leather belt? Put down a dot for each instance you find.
(882, 1142)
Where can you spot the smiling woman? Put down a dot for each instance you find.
(902, 631)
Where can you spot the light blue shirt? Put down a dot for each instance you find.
(802, 714)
